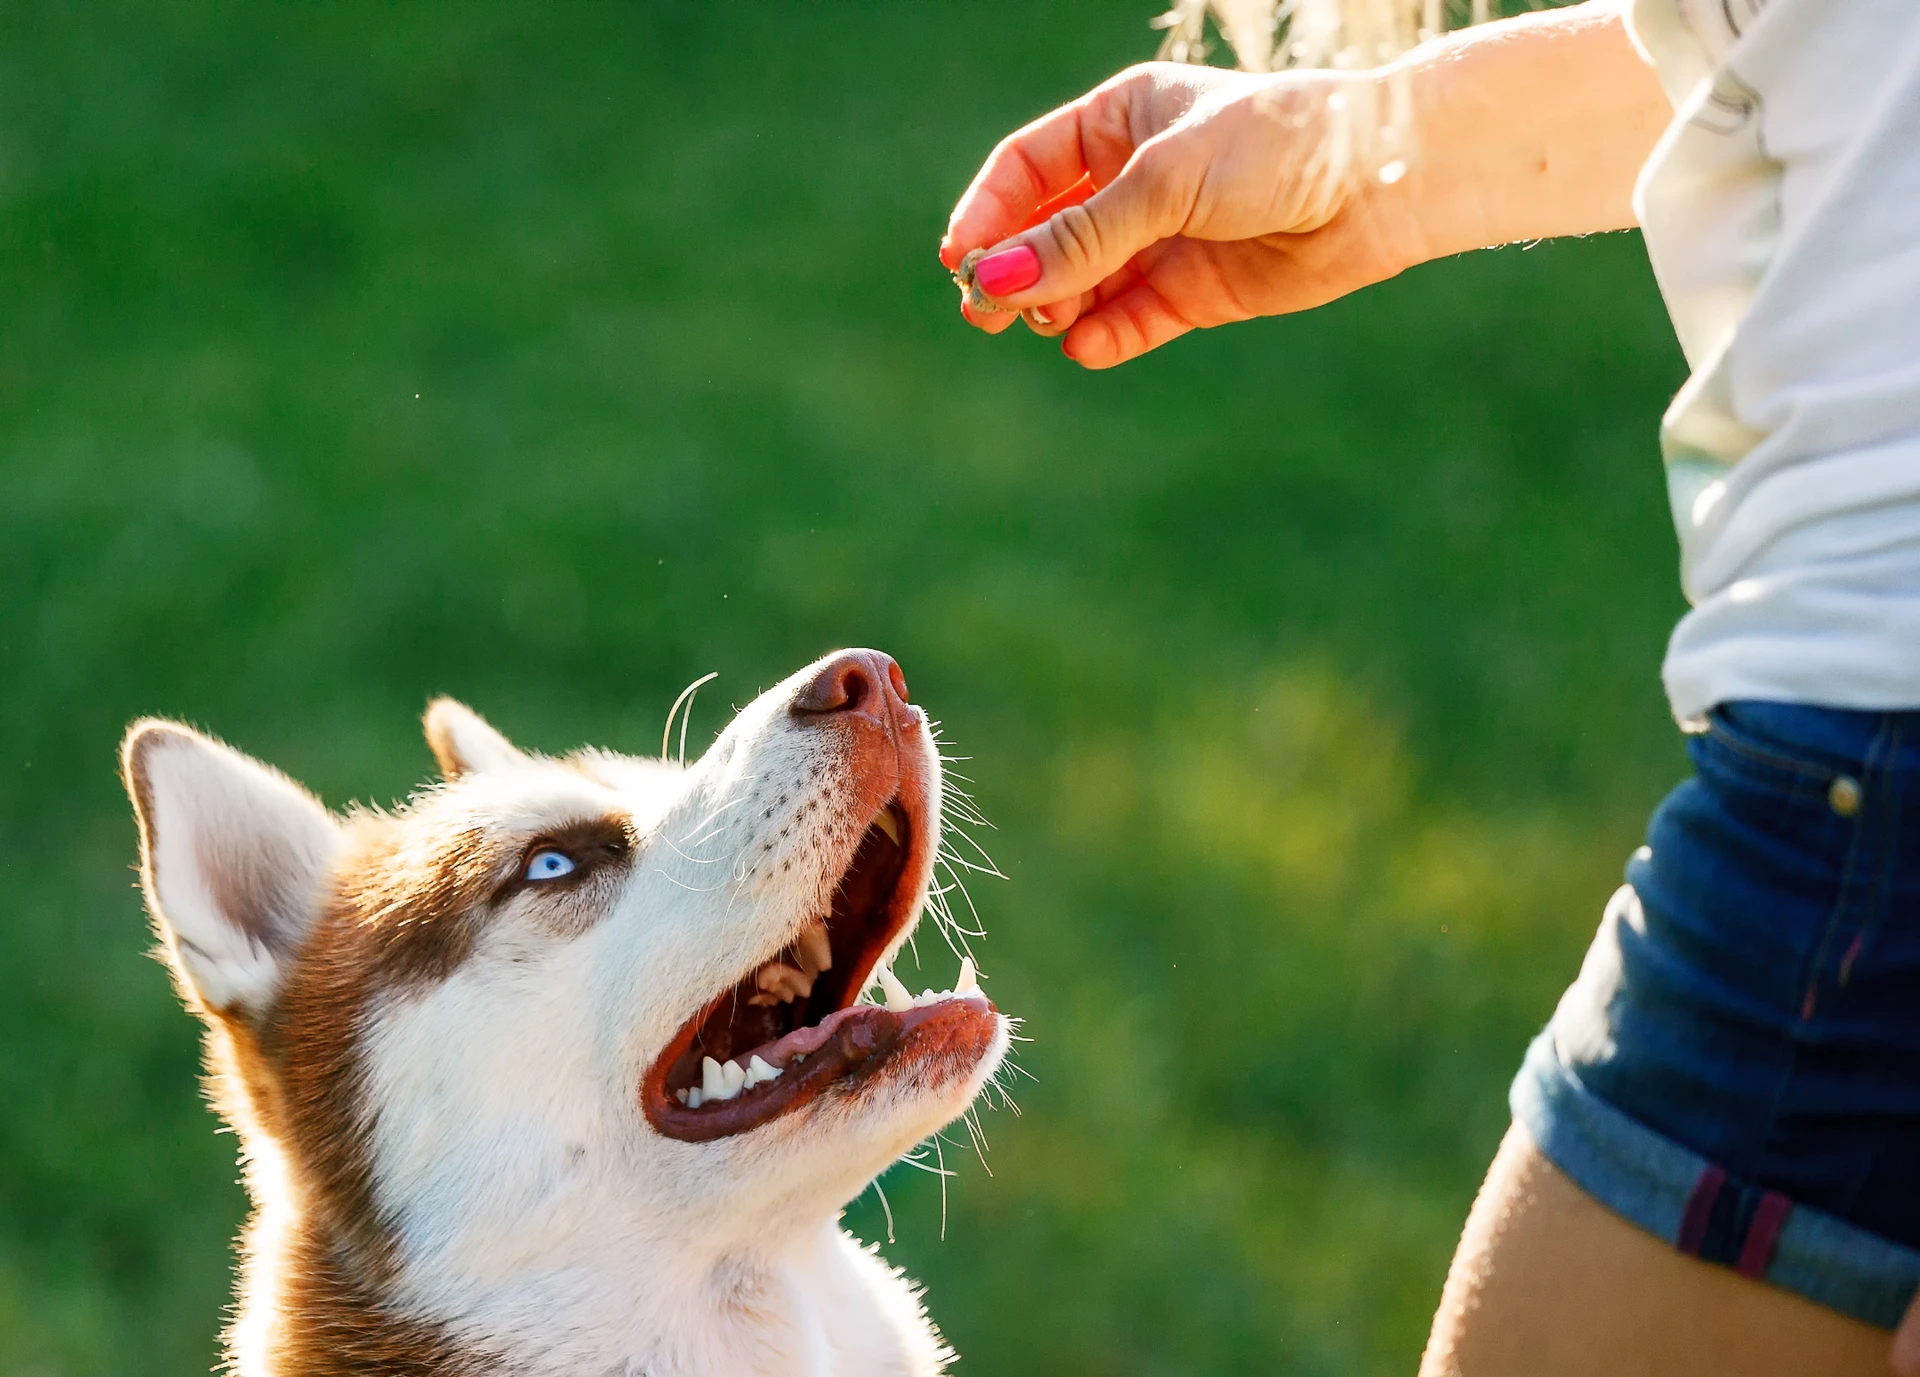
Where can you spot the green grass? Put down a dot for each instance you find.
(552, 356)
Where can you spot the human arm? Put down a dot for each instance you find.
(1173, 198)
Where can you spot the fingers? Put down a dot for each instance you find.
(1136, 321)
(1053, 319)
(1062, 157)
(1041, 319)
(1028, 169)
(1048, 319)
(1080, 246)
(1066, 195)
(1056, 318)
(993, 322)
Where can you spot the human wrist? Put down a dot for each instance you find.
(1438, 204)
(1388, 197)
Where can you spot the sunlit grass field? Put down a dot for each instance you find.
(552, 356)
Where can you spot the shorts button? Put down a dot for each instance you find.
(1844, 796)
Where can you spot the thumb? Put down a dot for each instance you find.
(1080, 246)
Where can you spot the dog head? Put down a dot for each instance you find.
(564, 1012)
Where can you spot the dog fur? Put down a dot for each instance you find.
(435, 1064)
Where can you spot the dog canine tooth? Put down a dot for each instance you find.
(815, 949)
(713, 1085)
(889, 822)
(898, 1000)
(969, 981)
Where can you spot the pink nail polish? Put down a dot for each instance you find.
(1010, 270)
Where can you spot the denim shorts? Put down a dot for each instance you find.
(1737, 1067)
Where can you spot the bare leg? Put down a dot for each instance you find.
(1549, 1283)
(1906, 1344)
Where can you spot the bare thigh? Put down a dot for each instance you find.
(1549, 1283)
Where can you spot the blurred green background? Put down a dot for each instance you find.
(551, 356)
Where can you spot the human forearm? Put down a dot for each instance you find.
(1524, 129)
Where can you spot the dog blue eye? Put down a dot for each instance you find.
(548, 864)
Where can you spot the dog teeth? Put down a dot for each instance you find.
(781, 981)
(724, 1080)
(814, 950)
(889, 822)
(898, 1000)
(719, 1080)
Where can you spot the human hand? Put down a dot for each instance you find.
(1173, 198)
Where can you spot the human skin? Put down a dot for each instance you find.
(1549, 1283)
(1175, 198)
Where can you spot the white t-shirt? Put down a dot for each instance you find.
(1782, 213)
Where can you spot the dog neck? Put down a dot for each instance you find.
(323, 1296)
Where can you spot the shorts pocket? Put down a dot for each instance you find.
(1732, 751)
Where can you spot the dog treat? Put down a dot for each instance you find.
(963, 276)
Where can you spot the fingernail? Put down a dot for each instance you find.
(1038, 315)
(1010, 270)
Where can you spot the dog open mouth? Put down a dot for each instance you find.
(791, 1028)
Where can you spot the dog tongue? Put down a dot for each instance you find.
(802, 1041)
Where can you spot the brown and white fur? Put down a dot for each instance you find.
(465, 1074)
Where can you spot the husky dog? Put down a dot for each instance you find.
(559, 1069)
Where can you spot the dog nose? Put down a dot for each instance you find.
(856, 681)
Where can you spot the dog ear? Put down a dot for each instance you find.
(233, 858)
(463, 742)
